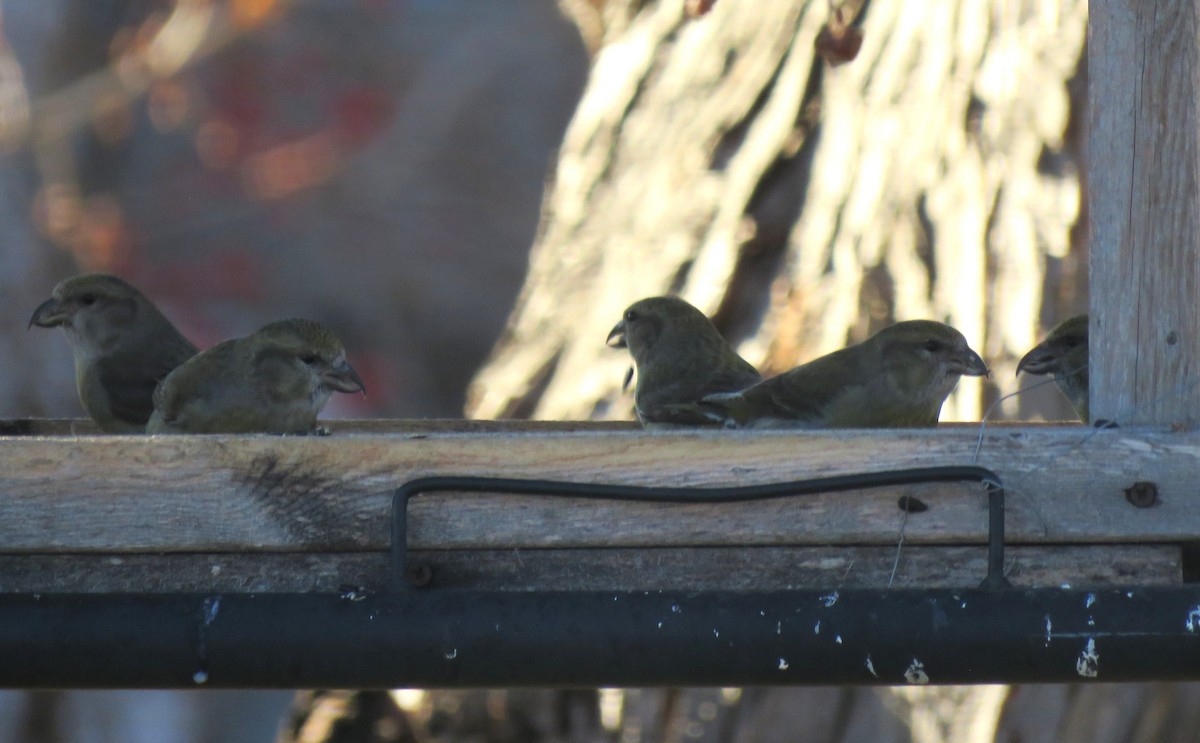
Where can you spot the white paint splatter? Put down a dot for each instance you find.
(200, 677)
(1047, 630)
(716, 632)
(451, 654)
(675, 609)
(829, 599)
(1088, 664)
(1065, 586)
(1091, 599)
(1091, 622)
(871, 667)
(838, 639)
(817, 628)
(211, 607)
(1129, 594)
(660, 625)
(783, 664)
(1193, 618)
(915, 673)
(779, 628)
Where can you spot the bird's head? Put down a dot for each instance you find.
(924, 352)
(309, 351)
(93, 307)
(650, 321)
(1062, 352)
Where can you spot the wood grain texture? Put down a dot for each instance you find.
(689, 569)
(333, 494)
(1145, 205)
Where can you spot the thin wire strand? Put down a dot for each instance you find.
(899, 546)
(987, 413)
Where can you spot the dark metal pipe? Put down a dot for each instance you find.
(476, 639)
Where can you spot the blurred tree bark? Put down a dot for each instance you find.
(804, 206)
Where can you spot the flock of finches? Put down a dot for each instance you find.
(136, 373)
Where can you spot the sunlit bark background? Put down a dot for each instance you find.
(937, 175)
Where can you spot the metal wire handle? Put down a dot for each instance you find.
(400, 580)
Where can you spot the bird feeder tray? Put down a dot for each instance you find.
(523, 526)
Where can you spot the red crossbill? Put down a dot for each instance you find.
(123, 347)
(1064, 353)
(275, 380)
(680, 357)
(898, 377)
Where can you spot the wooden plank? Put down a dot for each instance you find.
(217, 493)
(1144, 145)
(594, 569)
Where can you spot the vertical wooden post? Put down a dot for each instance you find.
(1144, 145)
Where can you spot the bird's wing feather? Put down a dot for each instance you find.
(681, 414)
(129, 386)
(804, 393)
(733, 377)
(198, 384)
(129, 379)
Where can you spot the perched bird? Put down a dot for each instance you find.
(898, 377)
(680, 357)
(123, 347)
(275, 380)
(1064, 354)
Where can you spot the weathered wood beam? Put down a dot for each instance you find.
(1144, 191)
(220, 493)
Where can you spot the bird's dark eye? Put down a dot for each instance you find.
(87, 300)
(933, 346)
(630, 315)
(309, 358)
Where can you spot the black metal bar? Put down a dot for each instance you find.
(399, 573)
(477, 639)
(995, 570)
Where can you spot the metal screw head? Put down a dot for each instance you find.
(420, 575)
(1142, 494)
